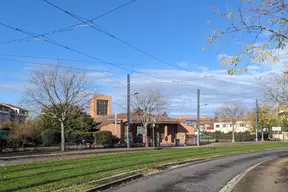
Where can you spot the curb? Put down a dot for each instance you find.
(116, 182)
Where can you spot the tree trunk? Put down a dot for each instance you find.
(233, 134)
(146, 136)
(62, 137)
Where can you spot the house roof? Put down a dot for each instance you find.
(228, 119)
(12, 106)
(108, 119)
(182, 118)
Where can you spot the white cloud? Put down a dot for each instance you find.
(180, 87)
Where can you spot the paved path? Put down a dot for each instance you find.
(271, 176)
(209, 176)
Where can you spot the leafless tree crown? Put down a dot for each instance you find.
(231, 111)
(147, 103)
(275, 88)
(59, 88)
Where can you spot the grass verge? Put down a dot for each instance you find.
(55, 175)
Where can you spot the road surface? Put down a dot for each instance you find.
(208, 176)
(271, 176)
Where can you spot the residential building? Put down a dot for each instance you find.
(11, 113)
(100, 105)
(225, 125)
(165, 132)
(205, 122)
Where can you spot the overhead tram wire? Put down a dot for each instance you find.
(103, 72)
(68, 28)
(87, 55)
(88, 22)
(61, 59)
(64, 67)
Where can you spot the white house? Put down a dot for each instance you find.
(225, 126)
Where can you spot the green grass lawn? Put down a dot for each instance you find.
(54, 175)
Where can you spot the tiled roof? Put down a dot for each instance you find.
(108, 119)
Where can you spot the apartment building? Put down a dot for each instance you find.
(11, 113)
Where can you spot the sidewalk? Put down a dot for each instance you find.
(271, 176)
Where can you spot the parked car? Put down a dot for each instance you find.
(86, 140)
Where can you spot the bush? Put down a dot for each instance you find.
(3, 141)
(7, 126)
(9, 142)
(275, 139)
(76, 136)
(50, 137)
(103, 137)
(13, 142)
(33, 141)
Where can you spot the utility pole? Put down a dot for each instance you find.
(128, 111)
(198, 117)
(115, 125)
(153, 131)
(256, 120)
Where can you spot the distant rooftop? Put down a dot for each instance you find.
(13, 106)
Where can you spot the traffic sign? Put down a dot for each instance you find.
(276, 128)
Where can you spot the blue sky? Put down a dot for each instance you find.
(174, 31)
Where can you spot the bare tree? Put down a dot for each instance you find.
(274, 88)
(263, 24)
(61, 89)
(232, 111)
(146, 104)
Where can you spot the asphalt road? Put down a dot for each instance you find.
(208, 176)
(271, 176)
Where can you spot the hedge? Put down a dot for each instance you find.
(103, 137)
(75, 137)
(50, 137)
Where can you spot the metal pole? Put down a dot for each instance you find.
(128, 110)
(262, 135)
(153, 131)
(198, 117)
(115, 125)
(256, 120)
